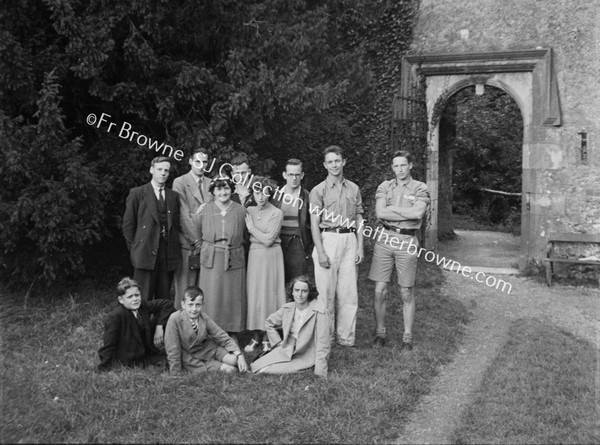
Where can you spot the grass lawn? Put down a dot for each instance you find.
(50, 392)
(539, 389)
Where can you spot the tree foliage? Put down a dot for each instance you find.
(273, 78)
(487, 154)
(52, 199)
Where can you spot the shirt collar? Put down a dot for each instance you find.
(402, 183)
(197, 178)
(331, 183)
(191, 319)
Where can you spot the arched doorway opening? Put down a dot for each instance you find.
(528, 77)
(480, 176)
(481, 140)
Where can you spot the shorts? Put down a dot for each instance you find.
(210, 359)
(217, 361)
(386, 256)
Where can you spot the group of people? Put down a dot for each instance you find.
(232, 243)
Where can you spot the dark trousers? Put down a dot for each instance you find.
(156, 283)
(294, 260)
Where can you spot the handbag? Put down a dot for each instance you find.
(194, 261)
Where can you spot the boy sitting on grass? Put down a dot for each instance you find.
(195, 343)
(131, 336)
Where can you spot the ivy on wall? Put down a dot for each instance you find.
(387, 38)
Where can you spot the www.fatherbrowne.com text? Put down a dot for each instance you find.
(126, 132)
(378, 234)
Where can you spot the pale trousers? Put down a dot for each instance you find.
(184, 277)
(337, 285)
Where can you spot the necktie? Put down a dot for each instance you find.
(200, 189)
(162, 207)
(194, 325)
(138, 319)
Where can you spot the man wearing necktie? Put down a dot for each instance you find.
(151, 230)
(193, 189)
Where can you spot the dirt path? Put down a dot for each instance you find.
(483, 248)
(573, 309)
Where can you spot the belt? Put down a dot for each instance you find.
(225, 248)
(290, 232)
(411, 232)
(339, 230)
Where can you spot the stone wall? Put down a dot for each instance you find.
(567, 188)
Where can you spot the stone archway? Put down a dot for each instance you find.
(528, 78)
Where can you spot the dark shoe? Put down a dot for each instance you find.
(406, 346)
(379, 342)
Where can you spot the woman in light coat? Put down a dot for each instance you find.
(306, 334)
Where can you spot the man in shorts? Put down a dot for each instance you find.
(400, 206)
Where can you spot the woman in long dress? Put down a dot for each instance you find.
(265, 282)
(223, 264)
(306, 334)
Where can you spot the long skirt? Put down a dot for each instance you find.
(224, 294)
(265, 284)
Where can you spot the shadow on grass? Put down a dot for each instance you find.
(51, 394)
(539, 389)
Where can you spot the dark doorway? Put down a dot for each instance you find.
(480, 162)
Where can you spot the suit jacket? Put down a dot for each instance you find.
(188, 350)
(187, 187)
(124, 340)
(248, 200)
(312, 346)
(141, 227)
(303, 220)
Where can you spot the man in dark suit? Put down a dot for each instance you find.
(151, 230)
(242, 177)
(241, 173)
(193, 189)
(134, 330)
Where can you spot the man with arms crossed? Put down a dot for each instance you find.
(400, 206)
(193, 188)
(338, 245)
(296, 237)
(151, 231)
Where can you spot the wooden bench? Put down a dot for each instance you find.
(572, 238)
